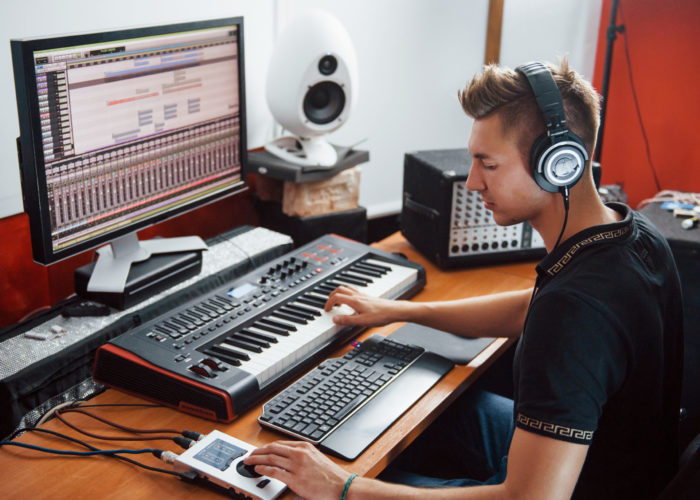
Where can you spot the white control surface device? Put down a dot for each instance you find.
(218, 458)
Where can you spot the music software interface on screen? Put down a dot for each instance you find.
(133, 128)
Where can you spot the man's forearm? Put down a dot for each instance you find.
(497, 315)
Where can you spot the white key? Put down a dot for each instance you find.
(290, 349)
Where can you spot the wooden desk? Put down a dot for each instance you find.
(32, 474)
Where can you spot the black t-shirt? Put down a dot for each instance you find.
(600, 358)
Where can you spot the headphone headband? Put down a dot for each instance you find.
(548, 98)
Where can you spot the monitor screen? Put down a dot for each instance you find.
(122, 129)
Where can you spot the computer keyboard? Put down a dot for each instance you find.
(375, 382)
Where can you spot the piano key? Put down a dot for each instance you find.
(231, 351)
(289, 317)
(279, 324)
(357, 275)
(320, 296)
(238, 342)
(359, 268)
(295, 312)
(350, 281)
(380, 264)
(249, 337)
(311, 301)
(312, 311)
(269, 328)
(259, 335)
(325, 288)
(221, 354)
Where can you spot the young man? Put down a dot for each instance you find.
(597, 366)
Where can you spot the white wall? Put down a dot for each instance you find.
(413, 56)
(34, 18)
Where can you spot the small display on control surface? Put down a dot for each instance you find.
(220, 454)
(242, 290)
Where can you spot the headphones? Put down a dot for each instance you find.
(558, 157)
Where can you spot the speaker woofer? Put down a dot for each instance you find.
(324, 102)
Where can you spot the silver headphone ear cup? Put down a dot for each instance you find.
(562, 164)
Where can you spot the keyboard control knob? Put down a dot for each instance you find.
(246, 470)
(214, 364)
(202, 370)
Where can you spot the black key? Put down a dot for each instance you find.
(272, 329)
(378, 267)
(350, 281)
(348, 274)
(261, 336)
(289, 317)
(309, 429)
(231, 360)
(296, 313)
(237, 342)
(334, 283)
(359, 268)
(246, 337)
(308, 310)
(310, 301)
(279, 324)
(231, 352)
(327, 289)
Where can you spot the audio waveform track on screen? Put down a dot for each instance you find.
(105, 190)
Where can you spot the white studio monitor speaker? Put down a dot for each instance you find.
(311, 87)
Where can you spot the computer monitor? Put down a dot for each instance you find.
(123, 129)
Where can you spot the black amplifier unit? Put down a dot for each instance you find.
(448, 223)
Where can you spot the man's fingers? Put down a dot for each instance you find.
(270, 459)
(275, 473)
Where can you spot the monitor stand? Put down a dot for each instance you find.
(114, 260)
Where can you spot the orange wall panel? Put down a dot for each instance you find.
(664, 43)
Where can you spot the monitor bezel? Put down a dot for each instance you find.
(30, 146)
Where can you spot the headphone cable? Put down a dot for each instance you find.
(565, 196)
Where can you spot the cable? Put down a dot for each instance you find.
(183, 442)
(86, 445)
(79, 453)
(118, 426)
(636, 102)
(565, 196)
(670, 195)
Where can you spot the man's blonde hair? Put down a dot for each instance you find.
(501, 90)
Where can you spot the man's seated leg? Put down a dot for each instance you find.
(466, 445)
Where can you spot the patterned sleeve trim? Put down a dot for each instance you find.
(554, 430)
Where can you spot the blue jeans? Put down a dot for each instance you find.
(466, 446)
